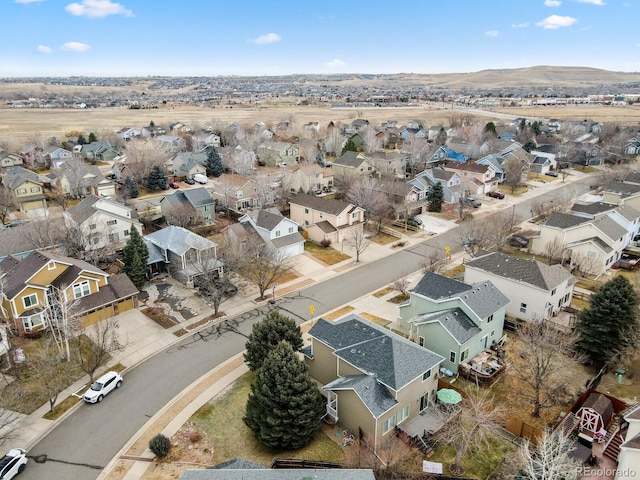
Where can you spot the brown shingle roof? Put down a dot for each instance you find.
(330, 206)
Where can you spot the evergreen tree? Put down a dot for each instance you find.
(157, 180)
(490, 130)
(92, 137)
(267, 334)
(435, 197)
(529, 145)
(441, 138)
(81, 140)
(214, 163)
(284, 409)
(609, 326)
(535, 126)
(135, 256)
(130, 188)
(350, 146)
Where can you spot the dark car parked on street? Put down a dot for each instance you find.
(495, 194)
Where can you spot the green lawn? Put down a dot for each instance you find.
(327, 255)
(221, 420)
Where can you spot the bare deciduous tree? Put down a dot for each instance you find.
(359, 241)
(182, 215)
(546, 353)
(475, 235)
(212, 287)
(401, 285)
(365, 192)
(7, 204)
(370, 139)
(93, 345)
(45, 364)
(550, 458)
(142, 156)
(584, 265)
(502, 226)
(434, 261)
(334, 141)
(554, 251)
(515, 169)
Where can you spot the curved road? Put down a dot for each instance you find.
(80, 446)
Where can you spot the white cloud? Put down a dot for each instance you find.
(75, 47)
(554, 22)
(492, 33)
(268, 38)
(97, 9)
(552, 3)
(335, 63)
(520, 25)
(28, 1)
(43, 49)
(593, 2)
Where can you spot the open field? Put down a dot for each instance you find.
(626, 115)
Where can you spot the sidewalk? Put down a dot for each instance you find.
(147, 338)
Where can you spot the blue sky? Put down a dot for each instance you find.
(272, 37)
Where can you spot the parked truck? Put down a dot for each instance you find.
(200, 178)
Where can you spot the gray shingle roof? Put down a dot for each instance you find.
(624, 189)
(290, 239)
(198, 197)
(454, 320)
(331, 206)
(564, 220)
(609, 227)
(377, 398)
(266, 219)
(178, 240)
(533, 272)
(350, 159)
(435, 286)
(593, 208)
(394, 360)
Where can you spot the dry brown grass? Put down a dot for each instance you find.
(383, 322)
(383, 292)
(157, 315)
(628, 114)
(341, 312)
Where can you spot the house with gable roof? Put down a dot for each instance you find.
(194, 206)
(451, 182)
(185, 165)
(8, 159)
(25, 187)
(182, 253)
(30, 285)
(476, 178)
(56, 156)
(308, 178)
(625, 215)
(593, 245)
(374, 379)
(625, 444)
(96, 151)
(453, 319)
(77, 179)
(444, 154)
(278, 153)
(354, 163)
(102, 222)
(536, 291)
(276, 231)
(326, 219)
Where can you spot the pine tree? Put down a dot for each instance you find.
(214, 165)
(135, 256)
(92, 137)
(435, 196)
(81, 140)
(267, 334)
(609, 326)
(130, 188)
(157, 180)
(350, 146)
(285, 408)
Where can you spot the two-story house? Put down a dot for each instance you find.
(452, 318)
(326, 219)
(278, 154)
(185, 165)
(25, 187)
(77, 179)
(593, 245)
(194, 206)
(478, 178)
(32, 287)
(238, 193)
(374, 379)
(536, 291)
(307, 178)
(102, 222)
(56, 156)
(625, 215)
(182, 253)
(354, 163)
(96, 151)
(8, 159)
(451, 182)
(276, 231)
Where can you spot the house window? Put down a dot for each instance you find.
(30, 300)
(114, 237)
(421, 341)
(21, 191)
(35, 189)
(81, 289)
(51, 265)
(126, 233)
(34, 322)
(493, 332)
(306, 210)
(290, 229)
(239, 194)
(591, 254)
(354, 215)
(388, 424)
(490, 318)
(426, 375)
(306, 223)
(465, 355)
(403, 414)
(452, 356)
(112, 222)
(93, 226)
(206, 208)
(321, 215)
(523, 308)
(277, 233)
(553, 292)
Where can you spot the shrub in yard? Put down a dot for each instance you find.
(160, 445)
(325, 242)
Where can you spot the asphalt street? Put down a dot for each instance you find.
(80, 446)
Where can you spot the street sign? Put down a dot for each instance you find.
(312, 309)
(447, 250)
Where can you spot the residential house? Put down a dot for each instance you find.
(308, 178)
(405, 198)
(628, 439)
(8, 159)
(632, 147)
(593, 245)
(374, 379)
(495, 161)
(240, 194)
(78, 180)
(276, 231)
(127, 133)
(185, 165)
(20, 240)
(238, 160)
(354, 163)
(625, 215)
(454, 319)
(32, 156)
(25, 187)
(444, 154)
(451, 182)
(408, 134)
(102, 222)
(194, 206)
(56, 156)
(96, 152)
(184, 254)
(277, 154)
(389, 163)
(326, 219)
(477, 178)
(536, 291)
(31, 284)
(172, 142)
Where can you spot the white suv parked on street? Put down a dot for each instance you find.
(102, 386)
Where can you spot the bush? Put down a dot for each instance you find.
(160, 445)
(325, 243)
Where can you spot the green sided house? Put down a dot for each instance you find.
(454, 319)
(374, 379)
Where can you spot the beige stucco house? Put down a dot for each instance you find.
(307, 178)
(25, 187)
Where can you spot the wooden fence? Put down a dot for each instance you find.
(521, 429)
